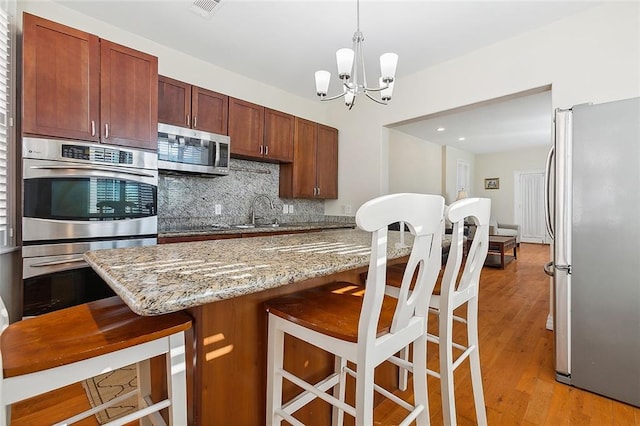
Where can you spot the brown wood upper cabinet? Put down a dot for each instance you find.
(184, 105)
(278, 135)
(78, 86)
(260, 133)
(314, 171)
(246, 129)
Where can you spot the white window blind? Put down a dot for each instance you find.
(5, 97)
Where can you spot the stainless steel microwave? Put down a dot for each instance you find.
(192, 151)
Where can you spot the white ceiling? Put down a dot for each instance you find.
(503, 125)
(282, 43)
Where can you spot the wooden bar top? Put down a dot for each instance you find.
(160, 279)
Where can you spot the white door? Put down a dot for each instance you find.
(529, 208)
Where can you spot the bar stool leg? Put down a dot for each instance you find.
(340, 367)
(364, 390)
(275, 363)
(446, 367)
(177, 379)
(143, 371)
(474, 361)
(5, 414)
(420, 378)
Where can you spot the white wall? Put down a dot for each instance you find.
(415, 165)
(593, 56)
(503, 165)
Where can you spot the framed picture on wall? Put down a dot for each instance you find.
(492, 183)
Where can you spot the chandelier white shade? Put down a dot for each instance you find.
(352, 74)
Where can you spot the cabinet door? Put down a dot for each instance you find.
(327, 162)
(246, 129)
(174, 102)
(128, 96)
(209, 111)
(60, 80)
(278, 135)
(304, 158)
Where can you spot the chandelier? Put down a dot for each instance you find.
(351, 69)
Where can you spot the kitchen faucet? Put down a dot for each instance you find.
(253, 206)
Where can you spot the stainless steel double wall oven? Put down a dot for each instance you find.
(77, 197)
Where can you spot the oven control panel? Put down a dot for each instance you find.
(98, 154)
(89, 153)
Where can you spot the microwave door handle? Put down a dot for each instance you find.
(57, 262)
(100, 169)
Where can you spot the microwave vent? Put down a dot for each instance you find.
(205, 8)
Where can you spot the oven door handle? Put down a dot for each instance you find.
(93, 168)
(57, 262)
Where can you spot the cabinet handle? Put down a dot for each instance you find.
(266, 150)
(318, 191)
(188, 121)
(93, 128)
(195, 121)
(106, 130)
(261, 148)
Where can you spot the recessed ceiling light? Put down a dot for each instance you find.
(440, 129)
(461, 138)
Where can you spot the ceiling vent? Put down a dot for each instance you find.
(205, 8)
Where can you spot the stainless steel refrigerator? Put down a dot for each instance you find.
(593, 216)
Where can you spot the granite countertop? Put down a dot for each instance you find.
(266, 229)
(159, 279)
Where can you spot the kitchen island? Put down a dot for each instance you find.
(223, 285)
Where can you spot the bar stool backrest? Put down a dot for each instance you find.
(478, 210)
(423, 214)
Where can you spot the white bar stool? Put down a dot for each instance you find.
(456, 288)
(363, 330)
(59, 348)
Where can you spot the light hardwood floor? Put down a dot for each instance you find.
(516, 353)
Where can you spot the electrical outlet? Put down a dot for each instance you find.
(285, 208)
(347, 208)
(218, 209)
(290, 208)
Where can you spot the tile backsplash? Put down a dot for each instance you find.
(188, 202)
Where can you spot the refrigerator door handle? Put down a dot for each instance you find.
(547, 199)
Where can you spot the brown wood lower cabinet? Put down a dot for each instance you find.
(207, 237)
(188, 238)
(231, 359)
